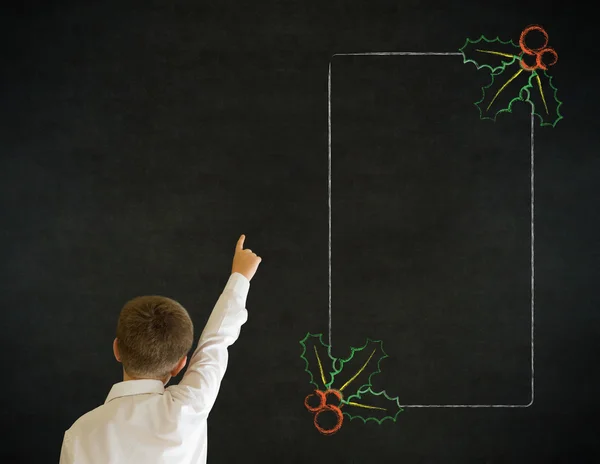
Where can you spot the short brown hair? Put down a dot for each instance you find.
(153, 334)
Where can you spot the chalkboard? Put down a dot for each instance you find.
(139, 140)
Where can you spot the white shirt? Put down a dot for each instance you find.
(142, 422)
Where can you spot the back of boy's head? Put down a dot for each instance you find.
(153, 334)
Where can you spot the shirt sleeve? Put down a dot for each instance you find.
(66, 453)
(201, 382)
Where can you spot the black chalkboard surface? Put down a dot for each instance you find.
(139, 140)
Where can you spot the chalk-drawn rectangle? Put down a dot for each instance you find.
(431, 230)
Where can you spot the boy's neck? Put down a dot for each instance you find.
(126, 377)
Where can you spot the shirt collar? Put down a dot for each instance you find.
(135, 387)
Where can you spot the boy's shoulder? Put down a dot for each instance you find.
(90, 420)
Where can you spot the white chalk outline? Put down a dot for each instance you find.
(532, 230)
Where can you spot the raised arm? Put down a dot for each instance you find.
(202, 380)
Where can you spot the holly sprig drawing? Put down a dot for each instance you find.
(517, 73)
(343, 386)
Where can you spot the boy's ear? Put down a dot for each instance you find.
(180, 365)
(116, 350)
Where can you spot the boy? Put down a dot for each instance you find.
(141, 421)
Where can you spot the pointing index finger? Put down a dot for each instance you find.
(240, 243)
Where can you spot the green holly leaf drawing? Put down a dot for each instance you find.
(501, 93)
(320, 364)
(533, 87)
(368, 405)
(542, 95)
(493, 54)
(358, 369)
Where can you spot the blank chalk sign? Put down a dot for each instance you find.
(431, 229)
